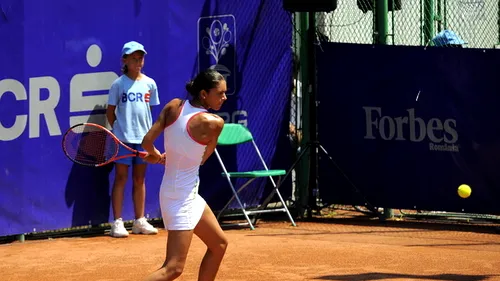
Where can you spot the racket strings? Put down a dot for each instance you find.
(89, 145)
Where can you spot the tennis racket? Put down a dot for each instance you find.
(93, 145)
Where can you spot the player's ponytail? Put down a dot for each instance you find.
(190, 88)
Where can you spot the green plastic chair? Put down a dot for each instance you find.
(236, 134)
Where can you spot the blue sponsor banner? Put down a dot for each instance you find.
(408, 125)
(60, 61)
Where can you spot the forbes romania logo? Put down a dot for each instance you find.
(441, 134)
(216, 47)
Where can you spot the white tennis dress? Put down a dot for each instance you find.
(181, 205)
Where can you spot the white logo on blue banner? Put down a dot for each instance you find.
(88, 93)
(216, 47)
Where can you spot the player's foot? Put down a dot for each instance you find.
(118, 229)
(142, 226)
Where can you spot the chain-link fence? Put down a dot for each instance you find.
(446, 23)
(414, 22)
(347, 24)
(475, 21)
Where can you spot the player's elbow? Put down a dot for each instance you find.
(146, 143)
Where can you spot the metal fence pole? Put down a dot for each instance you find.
(303, 165)
(311, 96)
(382, 27)
(381, 21)
(428, 21)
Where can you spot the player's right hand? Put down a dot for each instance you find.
(153, 158)
(162, 159)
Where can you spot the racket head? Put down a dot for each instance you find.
(90, 144)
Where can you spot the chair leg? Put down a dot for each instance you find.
(268, 199)
(245, 213)
(235, 195)
(285, 207)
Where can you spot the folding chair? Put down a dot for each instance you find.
(235, 134)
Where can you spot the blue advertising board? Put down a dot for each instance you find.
(409, 125)
(60, 59)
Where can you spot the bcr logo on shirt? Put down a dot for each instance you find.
(136, 97)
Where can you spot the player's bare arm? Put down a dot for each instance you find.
(167, 116)
(212, 126)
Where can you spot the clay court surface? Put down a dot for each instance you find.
(341, 249)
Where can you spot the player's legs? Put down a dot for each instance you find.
(210, 232)
(178, 243)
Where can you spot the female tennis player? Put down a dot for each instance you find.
(190, 137)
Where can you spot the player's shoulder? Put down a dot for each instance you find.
(213, 121)
(173, 106)
(174, 103)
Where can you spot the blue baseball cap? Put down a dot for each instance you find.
(131, 47)
(447, 37)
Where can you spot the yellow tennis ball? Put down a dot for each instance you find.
(464, 191)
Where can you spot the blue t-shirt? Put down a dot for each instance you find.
(133, 113)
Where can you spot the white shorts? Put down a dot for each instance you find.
(182, 214)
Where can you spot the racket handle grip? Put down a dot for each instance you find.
(142, 154)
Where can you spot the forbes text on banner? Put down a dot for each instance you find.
(408, 125)
(62, 61)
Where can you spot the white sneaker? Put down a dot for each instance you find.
(118, 229)
(142, 226)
